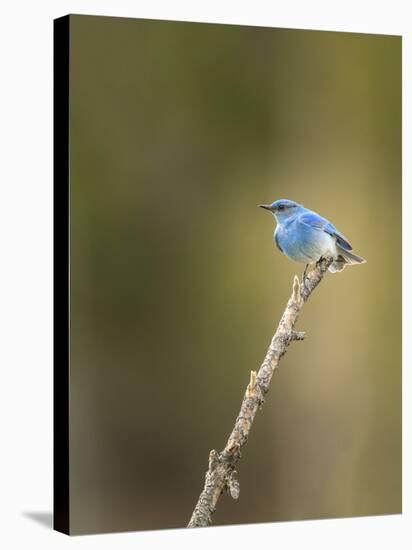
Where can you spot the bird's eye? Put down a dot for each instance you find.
(281, 207)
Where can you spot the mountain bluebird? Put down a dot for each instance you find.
(304, 236)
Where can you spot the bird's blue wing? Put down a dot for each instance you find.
(313, 220)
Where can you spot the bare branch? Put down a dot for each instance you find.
(221, 473)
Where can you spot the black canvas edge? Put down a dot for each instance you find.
(61, 476)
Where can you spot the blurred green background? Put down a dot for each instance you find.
(177, 132)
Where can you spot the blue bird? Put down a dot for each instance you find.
(304, 236)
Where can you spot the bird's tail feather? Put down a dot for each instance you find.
(345, 258)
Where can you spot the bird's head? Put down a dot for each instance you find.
(282, 209)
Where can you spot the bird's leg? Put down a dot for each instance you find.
(305, 272)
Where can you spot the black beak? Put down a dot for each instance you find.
(266, 206)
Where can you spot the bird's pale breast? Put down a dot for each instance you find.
(304, 244)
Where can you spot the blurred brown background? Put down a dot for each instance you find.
(178, 131)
